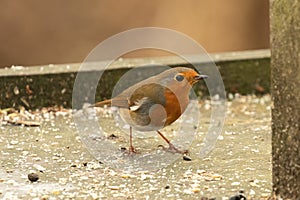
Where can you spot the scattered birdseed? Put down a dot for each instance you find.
(33, 177)
(186, 158)
(113, 187)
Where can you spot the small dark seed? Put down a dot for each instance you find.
(84, 164)
(186, 158)
(112, 136)
(167, 187)
(33, 177)
(123, 148)
(74, 165)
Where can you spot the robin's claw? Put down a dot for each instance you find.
(131, 150)
(173, 149)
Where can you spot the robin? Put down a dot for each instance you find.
(156, 102)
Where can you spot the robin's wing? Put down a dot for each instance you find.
(139, 103)
(137, 98)
(145, 96)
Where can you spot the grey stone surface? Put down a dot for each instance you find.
(241, 159)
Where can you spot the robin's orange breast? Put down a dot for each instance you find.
(175, 105)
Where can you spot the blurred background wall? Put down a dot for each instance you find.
(35, 32)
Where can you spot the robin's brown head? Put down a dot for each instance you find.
(190, 75)
(180, 77)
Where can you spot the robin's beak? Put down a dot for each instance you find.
(200, 77)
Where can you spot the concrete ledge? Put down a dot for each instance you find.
(39, 86)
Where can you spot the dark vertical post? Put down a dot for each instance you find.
(285, 71)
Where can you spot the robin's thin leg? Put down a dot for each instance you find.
(131, 148)
(171, 146)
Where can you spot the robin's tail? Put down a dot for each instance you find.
(115, 102)
(102, 103)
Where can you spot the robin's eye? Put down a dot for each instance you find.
(179, 78)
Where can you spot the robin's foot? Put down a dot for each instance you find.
(132, 150)
(173, 149)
